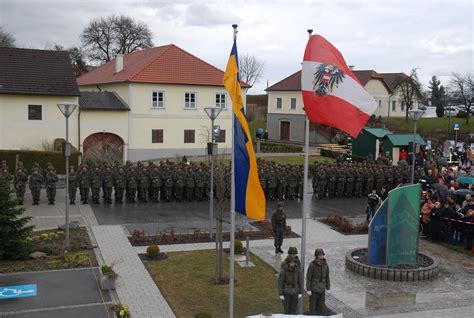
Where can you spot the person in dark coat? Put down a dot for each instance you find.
(290, 285)
(278, 227)
(317, 281)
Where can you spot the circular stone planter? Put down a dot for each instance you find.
(426, 268)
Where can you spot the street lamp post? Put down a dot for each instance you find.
(67, 109)
(416, 114)
(212, 112)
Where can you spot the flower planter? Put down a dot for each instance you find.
(106, 282)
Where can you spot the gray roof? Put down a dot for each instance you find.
(102, 101)
(36, 72)
(378, 132)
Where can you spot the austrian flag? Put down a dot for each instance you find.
(332, 95)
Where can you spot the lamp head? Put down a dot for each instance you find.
(213, 111)
(67, 108)
(416, 114)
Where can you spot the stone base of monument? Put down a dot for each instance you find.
(425, 269)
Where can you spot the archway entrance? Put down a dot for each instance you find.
(103, 146)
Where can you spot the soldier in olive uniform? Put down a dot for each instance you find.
(290, 285)
(120, 182)
(281, 185)
(317, 281)
(73, 181)
(96, 184)
(341, 181)
(51, 181)
(168, 184)
(322, 183)
(19, 183)
(349, 183)
(107, 184)
(84, 182)
(155, 184)
(5, 174)
(143, 184)
(132, 185)
(292, 184)
(379, 180)
(359, 179)
(190, 184)
(300, 185)
(200, 184)
(271, 185)
(179, 185)
(36, 181)
(332, 179)
(369, 184)
(278, 227)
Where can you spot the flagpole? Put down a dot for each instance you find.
(232, 213)
(305, 197)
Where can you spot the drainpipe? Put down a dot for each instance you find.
(388, 114)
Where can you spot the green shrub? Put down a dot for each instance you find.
(238, 247)
(461, 114)
(269, 147)
(330, 153)
(108, 271)
(57, 159)
(153, 251)
(203, 315)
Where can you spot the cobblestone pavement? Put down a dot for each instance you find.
(134, 286)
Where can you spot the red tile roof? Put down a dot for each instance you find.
(167, 64)
(392, 79)
(293, 82)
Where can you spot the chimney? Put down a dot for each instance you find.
(118, 63)
(351, 67)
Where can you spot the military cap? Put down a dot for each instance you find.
(319, 251)
(293, 250)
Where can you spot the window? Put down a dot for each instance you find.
(157, 136)
(34, 112)
(403, 106)
(220, 100)
(190, 101)
(380, 103)
(189, 136)
(157, 99)
(293, 103)
(278, 102)
(394, 103)
(221, 137)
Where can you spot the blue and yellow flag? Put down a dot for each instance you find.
(249, 196)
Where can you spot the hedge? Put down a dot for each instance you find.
(275, 148)
(330, 153)
(56, 158)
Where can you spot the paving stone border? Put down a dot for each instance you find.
(392, 274)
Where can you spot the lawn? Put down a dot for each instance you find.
(186, 281)
(427, 126)
(298, 159)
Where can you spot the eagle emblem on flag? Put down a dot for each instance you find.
(326, 79)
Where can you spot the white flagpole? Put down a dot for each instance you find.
(232, 214)
(305, 197)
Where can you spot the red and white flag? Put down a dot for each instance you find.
(332, 94)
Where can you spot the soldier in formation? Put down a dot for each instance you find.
(348, 180)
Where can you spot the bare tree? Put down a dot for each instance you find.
(6, 39)
(250, 69)
(462, 89)
(104, 38)
(410, 90)
(77, 58)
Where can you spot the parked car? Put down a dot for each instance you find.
(451, 111)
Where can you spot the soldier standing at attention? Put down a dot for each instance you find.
(84, 184)
(317, 281)
(51, 180)
(19, 182)
(96, 184)
(131, 185)
(107, 184)
(179, 184)
(143, 184)
(278, 227)
(293, 251)
(119, 184)
(72, 185)
(155, 184)
(322, 182)
(36, 180)
(290, 285)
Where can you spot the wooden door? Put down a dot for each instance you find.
(105, 147)
(285, 130)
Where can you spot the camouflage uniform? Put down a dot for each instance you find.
(96, 184)
(278, 227)
(107, 185)
(19, 183)
(84, 184)
(36, 180)
(120, 182)
(51, 180)
(72, 185)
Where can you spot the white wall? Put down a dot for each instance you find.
(17, 132)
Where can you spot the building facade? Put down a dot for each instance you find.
(286, 117)
(166, 90)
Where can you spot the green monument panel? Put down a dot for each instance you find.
(403, 225)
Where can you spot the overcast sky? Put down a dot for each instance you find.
(388, 36)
